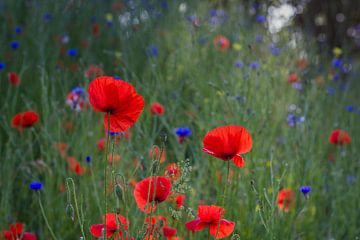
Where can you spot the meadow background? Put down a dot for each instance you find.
(166, 50)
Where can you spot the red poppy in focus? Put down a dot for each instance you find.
(211, 216)
(180, 199)
(339, 137)
(286, 199)
(93, 71)
(116, 225)
(147, 196)
(14, 78)
(119, 99)
(157, 152)
(157, 109)
(293, 78)
(227, 143)
(16, 231)
(24, 120)
(172, 171)
(221, 42)
(169, 232)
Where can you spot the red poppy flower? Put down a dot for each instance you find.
(169, 232)
(157, 109)
(145, 192)
(117, 97)
(14, 78)
(172, 171)
(228, 142)
(221, 42)
(75, 166)
(156, 151)
(293, 78)
(286, 199)
(95, 29)
(24, 119)
(15, 231)
(211, 217)
(116, 225)
(180, 199)
(339, 137)
(93, 71)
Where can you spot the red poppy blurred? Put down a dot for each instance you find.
(172, 171)
(75, 166)
(339, 137)
(95, 29)
(211, 216)
(93, 71)
(61, 147)
(221, 42)
(286, 199)
(227, 143)
(16, 231)
(14, 78)
(117, 97)
(180, 199)
(115, 158)
(301, 63)
(157, 152)
(101, 144)
(153, 224)
(293, 78)
(24, 120)
(147, 196)
(169, 232)
(115, 225)
(157, 109)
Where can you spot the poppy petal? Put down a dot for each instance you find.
(96, 229)
(195, 225)
(210, 213)
(222, 229)
(238, 161)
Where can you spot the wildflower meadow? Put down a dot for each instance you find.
(175, 120)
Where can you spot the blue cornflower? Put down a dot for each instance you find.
(152, 50)
(336, 77)
(336, 62)
(35, 185)
(330, 90)
(202, 40)
(305, 190)
(238, 64)
(18, 29)
(293, 120)
(72, 52)
(14, 44)
(117, 78)
(183, 131)
(260, 18)
(350, 108)
(297, 86)
(2, 65)
(254, 65)
(350, 179)
(88, 159)
(358, 111)
(47, 17)
(78, 90)
(259, 38)
(274, 49)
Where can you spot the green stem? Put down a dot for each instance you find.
(77, 208)
(45, 218)
(105, 170)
